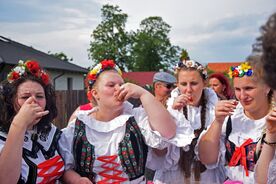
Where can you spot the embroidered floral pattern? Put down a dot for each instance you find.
(83, 152)
(133, 151)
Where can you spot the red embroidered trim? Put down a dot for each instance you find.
(44, 167)
(240, 155)
(110, 165)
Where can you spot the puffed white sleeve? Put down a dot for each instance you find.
(2, 143)
(182, 139)
(211, 105)
(151, 137)
(184, 131)
(66, 146)
(3, 138)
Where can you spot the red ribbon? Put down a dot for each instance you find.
(110, 165)
(240, 155)
(44, 167)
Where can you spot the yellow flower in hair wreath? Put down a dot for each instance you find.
(241, 70)
(96, 69)
(245, 66)
(102, 66)
(230, 74)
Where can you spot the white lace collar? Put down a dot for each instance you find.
(109, 126)
(244, 127)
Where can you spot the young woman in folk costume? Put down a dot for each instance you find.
(235, 137)
(193, 102)
(28, 140)
(109, 143)
(265, 171)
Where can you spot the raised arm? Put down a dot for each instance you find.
(209, 143)
(159, 118)
(11, 154)
(268, 150)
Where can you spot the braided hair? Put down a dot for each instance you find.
(187, 157)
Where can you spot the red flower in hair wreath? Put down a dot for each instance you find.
(29, 67)
(102, 66)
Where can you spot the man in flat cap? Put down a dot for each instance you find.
(163, 84)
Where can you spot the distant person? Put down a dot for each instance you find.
(163, 84)
(220, 84)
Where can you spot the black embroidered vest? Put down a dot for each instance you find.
(27, 155)
(132, 151)
(251, 155)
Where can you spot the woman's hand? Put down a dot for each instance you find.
(271, 121)
(224, 108)
(29, 114)
(181, 101)
(128, 90)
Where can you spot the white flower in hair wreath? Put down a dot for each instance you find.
(190, 63)
(20, 69)
(194, 64)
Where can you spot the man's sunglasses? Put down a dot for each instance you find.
(169, 86)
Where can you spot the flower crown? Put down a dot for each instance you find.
(193, 64)
(241, 70)
(29, 67)
(99, 68)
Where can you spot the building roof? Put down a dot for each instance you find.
(221, 67)
(11, 52)
(140, 78)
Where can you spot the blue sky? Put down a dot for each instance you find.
(211, 31)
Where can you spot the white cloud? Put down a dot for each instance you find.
(212, 30)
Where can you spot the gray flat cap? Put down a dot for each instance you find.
(164, 77)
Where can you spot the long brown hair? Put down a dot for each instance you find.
(7, 99)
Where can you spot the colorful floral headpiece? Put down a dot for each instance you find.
(241, 70)
(193, 64)
(99, 68)
(29, 67)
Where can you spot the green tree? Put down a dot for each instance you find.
(61, 56)
(110, 39)
(152, 49)
(184, 55)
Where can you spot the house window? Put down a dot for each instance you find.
(69, 83)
